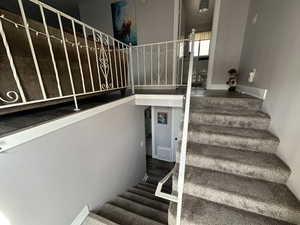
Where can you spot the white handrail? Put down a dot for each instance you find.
(163, 195)
(183, 149)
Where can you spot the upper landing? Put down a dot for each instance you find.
(19, 121)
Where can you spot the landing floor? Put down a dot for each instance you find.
(15, 122)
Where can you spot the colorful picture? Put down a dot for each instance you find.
(162, 118)
(124, 25)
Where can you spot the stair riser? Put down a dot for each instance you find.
(142, 210)
(230, 121)
(227, 103)
(236, 168)
(236, 142)
(241, 202)
(122, 216)
(148, 202)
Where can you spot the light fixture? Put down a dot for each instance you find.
(203, 6)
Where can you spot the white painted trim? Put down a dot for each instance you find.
(81, 216)
(217, 87)
(253, 91)
(159, 100)
(213, 42)
(27, 135)
(153, 131)
(173, 135)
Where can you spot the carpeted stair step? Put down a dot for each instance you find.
(237, 138)
(146, 188)
(155, 180)
(240, 102)
(145, 201)
(140, 209)
(230, 118)
(147, 194)
(259, 165)
(165, 188)
(94, 219)
(196, 211)
(124, 217)
(257, 196)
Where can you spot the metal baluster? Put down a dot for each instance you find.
(11, 62)
(37, 68)
(88, 57)
(97, 58)
(51, 50)
(110, 64)
(128, 68)
(151, 69)
(115, 59)
(138, 65)
(125, 76)
(166, 69)
(120, 64)
(104, 65)
(131, 69)
(145, 81)
(68, 62)
(158, 64)
(78, 56)
(182, 61)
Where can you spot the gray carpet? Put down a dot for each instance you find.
(233, 175)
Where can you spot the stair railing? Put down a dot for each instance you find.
(107, 52)
(159, 65)
(183, 147)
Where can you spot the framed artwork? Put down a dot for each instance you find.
(124, 22)
(162, 118)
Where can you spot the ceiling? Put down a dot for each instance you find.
(195, 19)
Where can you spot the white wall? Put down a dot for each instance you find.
(272, 46)
(154, 18)
(97, 14)
(48, 180)
(231, 29)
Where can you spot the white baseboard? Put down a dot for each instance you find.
(81, 216)
(253, 91)
(217, 87)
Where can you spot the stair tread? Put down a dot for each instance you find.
(246, 189)
(146, 201)
(228, 112)
(124, 217)
(147, 195)
(94, 219)
(197, 211)
(239, 158)
(140, 209)
(232, 131)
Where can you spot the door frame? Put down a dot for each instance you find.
(213, 43)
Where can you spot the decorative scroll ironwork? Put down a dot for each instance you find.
(104, 62)
(12, 95)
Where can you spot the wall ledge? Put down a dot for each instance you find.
(253, 91)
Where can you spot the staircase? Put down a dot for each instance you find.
(233, 176)
(137, 206)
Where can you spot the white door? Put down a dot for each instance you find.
(162, 146)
